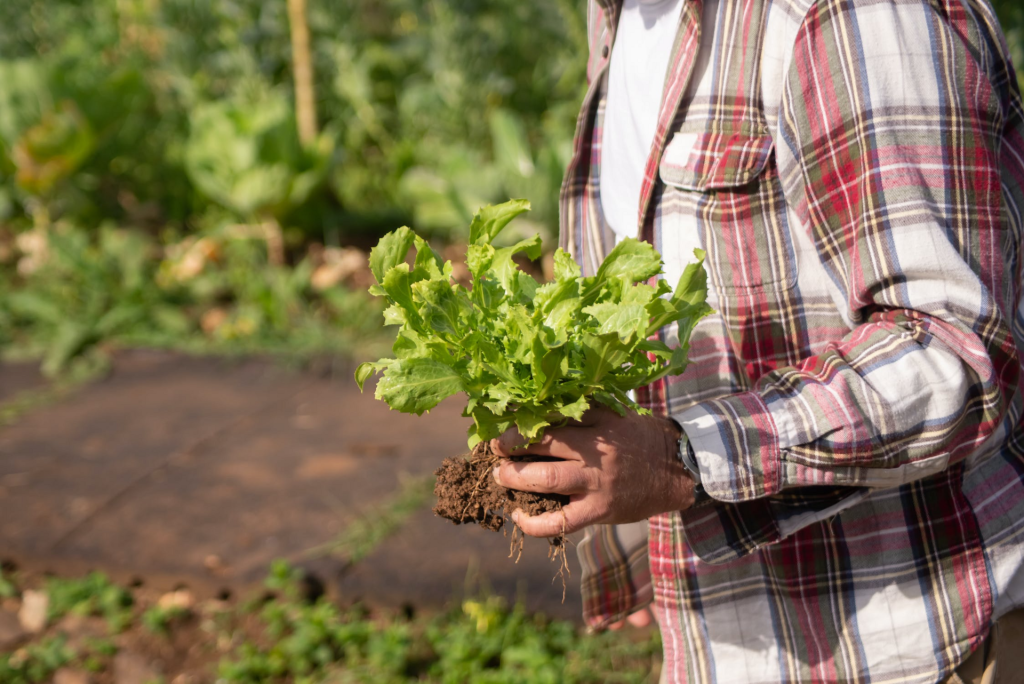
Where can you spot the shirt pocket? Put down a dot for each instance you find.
(727, 188)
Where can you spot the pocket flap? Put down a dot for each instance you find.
(714, 161)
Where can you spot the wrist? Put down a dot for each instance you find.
(684, 452)
(682, 482)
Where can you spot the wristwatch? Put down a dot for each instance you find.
(686, 455)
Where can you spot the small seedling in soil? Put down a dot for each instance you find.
(526, 355)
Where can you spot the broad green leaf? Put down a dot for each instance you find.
(526, 288)
(656, 347)
(692, 288)
(427, 260)
(408, 344)
(394, 315)
(661, 312)
(530, 423)
(550, 295)
(441, 308)
(548, 367)
(525, 354)
(565, 267)
(504, 269)
(498, 399)
(478, 259)
(491, 220)
(602, 354)
(366, 370)
(398, 286)
(488, 295)
(611, 402)
(576, 409)
(390, 251)
(486, 425)
(631, 258)
(416, 385)
(625, 320)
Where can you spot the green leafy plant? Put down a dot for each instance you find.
(158, 619)
(479, 640)
(8, 589)
(526, 354)
(245, 154)
(359, 539)
(36, 662)
(87, 291)
(93, 594)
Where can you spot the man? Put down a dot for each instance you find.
(853, 509)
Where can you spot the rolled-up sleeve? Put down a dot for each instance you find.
(888, 147)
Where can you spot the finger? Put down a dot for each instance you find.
(641, 618)
(616, 626)
(510, 441)
(597, 413)
(545, 477)
(557, 442)
(574, 516)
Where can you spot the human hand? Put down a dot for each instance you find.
(641, 618)
(614, 469)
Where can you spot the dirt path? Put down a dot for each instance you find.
(177, 470)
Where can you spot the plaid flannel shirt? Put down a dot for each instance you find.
(855, 172)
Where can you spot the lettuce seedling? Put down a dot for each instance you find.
(526, 354)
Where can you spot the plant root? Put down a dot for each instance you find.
(466, 493)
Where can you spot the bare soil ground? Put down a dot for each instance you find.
(198, 472)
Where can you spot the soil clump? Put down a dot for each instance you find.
(467, 493)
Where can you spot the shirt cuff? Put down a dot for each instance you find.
(736, 442)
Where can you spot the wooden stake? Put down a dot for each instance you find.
(302, 70)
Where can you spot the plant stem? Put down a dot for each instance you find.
(302, 69)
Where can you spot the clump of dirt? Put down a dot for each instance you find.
(467, 493)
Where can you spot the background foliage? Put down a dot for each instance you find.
(167, 128)
(430, 107)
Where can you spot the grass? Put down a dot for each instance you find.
(282, 637)
(363, 535)
(79, 374)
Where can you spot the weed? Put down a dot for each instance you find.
(159, 619)
(94, 594)
(363, 535)
(481, 641)
(8, 589)
(286, 638)
(35, 662)
(80, 373)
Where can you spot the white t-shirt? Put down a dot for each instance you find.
(636, 77)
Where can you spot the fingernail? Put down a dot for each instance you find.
(515, 516)
(495, 473)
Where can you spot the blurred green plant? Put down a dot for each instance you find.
(283, 636)
(75, 293)
(53, 149)
(92, 595)
(37, 662)
(1011, 17)
(397, 79)
(369, 530)
(82, 292)
(159, 619)
(244, 153)
(480, 640)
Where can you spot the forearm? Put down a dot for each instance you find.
(901, 397)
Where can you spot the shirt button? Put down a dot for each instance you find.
(604, 52)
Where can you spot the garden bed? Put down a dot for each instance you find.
(93, 631)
